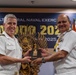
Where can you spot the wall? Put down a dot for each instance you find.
(38, 10)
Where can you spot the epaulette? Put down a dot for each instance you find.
(2, 35)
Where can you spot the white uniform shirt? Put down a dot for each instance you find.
(67, 66)
(10, 47)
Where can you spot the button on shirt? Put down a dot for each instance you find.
(67, 66)
(10, 47)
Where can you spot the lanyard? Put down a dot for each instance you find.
(60, 39)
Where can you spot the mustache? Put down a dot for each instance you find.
(61, 26)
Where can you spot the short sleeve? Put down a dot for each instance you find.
(2, 45)
(69, 42)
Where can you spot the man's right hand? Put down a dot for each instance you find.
(26, 59)
(44, 52)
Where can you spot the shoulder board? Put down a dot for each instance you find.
(2, 35)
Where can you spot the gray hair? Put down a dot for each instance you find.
(9, 16)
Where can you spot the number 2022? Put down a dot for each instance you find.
(50, 30)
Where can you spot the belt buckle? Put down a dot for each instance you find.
(16, 73)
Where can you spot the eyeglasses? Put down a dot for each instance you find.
(59, 22)
(61, 26)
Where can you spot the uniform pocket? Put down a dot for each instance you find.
(10, 49)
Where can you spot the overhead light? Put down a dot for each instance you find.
(32, 1)
(73, 0)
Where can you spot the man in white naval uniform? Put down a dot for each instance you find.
(64, 57)
(10, 50)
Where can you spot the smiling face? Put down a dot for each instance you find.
(63, 23)
(10, 26)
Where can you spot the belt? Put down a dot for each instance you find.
(8, 72)
(65, 70)
(16, 73)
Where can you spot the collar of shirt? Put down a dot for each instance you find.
(7, 36)
(62, 34)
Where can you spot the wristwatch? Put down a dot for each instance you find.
(43, 60)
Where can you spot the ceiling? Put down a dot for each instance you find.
(37, 3)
